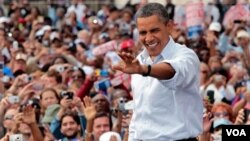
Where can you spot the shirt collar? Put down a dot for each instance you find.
(167, 51)
(144, 55)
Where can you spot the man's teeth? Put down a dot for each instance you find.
(152, 45)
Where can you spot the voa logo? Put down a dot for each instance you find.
(236, 132)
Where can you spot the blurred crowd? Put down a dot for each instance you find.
(57, 81)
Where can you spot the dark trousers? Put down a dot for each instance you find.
(189, 139)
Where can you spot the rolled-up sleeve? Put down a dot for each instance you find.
(186, 68)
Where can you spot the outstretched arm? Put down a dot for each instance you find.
(131, 65)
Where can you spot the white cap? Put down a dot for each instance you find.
(106, 136)
(39, 33)
(43, 30)
(21, 56)
(215, 26)
(4, 20)
(46, 28)
(54, 35)
(242, 34)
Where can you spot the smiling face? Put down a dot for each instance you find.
(154, 34)
(100, 126)
(69, 127)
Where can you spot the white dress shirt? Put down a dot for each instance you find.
(167, 110)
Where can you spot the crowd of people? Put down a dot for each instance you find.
(58, 80)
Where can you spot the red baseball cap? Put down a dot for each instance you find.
(21, 20)
(127, 44)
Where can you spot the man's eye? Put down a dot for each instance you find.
(142, 33)
(154, 30)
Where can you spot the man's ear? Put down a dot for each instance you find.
(4, 124)
(170, 26)
(79, 127)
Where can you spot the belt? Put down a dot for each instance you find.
(189, 139)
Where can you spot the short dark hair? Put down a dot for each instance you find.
(82, 72)
(57, 75)
(104, 114)
(116, 92)
(70, 114)
(151, 9)
(220, 71)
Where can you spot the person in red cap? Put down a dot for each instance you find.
(127, 45)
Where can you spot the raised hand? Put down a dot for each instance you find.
(229, 27)
(65, 103)
(207, 122)
(4, 104)
(17, 120)
(88, 108)
(126, 119)
(6, 137)
(77, 104)
(240, 117)
(29, 116)
(129, 65)
(246, 96)
(26, 90)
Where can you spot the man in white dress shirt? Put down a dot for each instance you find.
(165, 82)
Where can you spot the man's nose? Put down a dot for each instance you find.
(149, 38)
(69, 127)
(102, 128)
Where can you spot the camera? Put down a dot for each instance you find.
(61, 68)
(68, 95)
(16, 137)
(14, 99)
(210, 94)
(28, 78)
(6, 79)
(121, 106)
(35, 103)
(246, 115)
